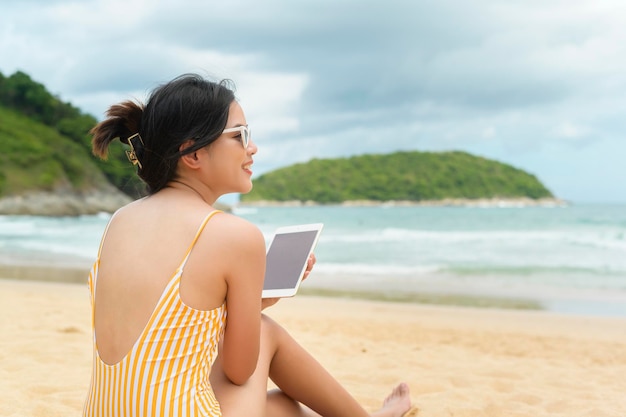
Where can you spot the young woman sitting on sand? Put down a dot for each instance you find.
(176, 288)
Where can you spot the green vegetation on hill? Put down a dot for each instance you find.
(45, 143)
(401, 176)
(36, 157)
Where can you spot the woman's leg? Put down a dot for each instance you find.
(301, 379)
(281, 405)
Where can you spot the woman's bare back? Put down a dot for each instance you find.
(142, 250)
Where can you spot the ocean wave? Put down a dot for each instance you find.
(385, 270)
(605, 239)
(35, 249)
(485, 276)
(537, 270)
(492, 247)
(244, 211)
(10, 228)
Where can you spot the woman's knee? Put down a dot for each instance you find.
(269, 327)
(271, 331)
(281, 405)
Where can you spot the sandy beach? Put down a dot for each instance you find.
(457, 361)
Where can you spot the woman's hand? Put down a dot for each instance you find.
(268, 302)
(309, 266)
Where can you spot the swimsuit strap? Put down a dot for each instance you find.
(195, 239)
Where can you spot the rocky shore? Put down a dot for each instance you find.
(447, 202)
(73, 203)
(70, 203)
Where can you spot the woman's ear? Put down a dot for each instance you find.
(191, 160)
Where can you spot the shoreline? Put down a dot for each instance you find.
(446, 202)
(78, 275)
(45, 273)
(76, 271)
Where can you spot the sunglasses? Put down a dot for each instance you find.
(244, 132)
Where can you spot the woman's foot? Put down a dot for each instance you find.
(397, 404)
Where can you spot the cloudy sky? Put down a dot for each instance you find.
(538, 84)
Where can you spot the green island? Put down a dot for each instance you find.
(46, 167)
(400, 176)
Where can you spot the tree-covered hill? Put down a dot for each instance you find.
(401, 176)
(36, 157)
(45, 144)
(46, 164)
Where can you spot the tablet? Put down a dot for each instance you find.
(287, 256)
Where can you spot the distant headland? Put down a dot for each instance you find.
(401, 178)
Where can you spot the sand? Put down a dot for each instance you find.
(457, 361)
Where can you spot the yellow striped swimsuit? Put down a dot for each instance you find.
(166, 373)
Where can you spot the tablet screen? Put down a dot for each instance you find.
(286, 260)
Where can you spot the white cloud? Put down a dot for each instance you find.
(569, 130)
(489, 132)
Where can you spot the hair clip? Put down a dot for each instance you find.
(132, 153)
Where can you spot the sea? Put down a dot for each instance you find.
(569, 259)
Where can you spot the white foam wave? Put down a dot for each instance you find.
(611, 239)
(244, 211)
(375, 269)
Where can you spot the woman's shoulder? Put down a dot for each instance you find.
(234, 228)
(227, 228)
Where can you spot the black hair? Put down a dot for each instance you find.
(187, 108)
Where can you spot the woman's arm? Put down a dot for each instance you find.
(243, 260)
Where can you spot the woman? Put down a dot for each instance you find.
(170, 267)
